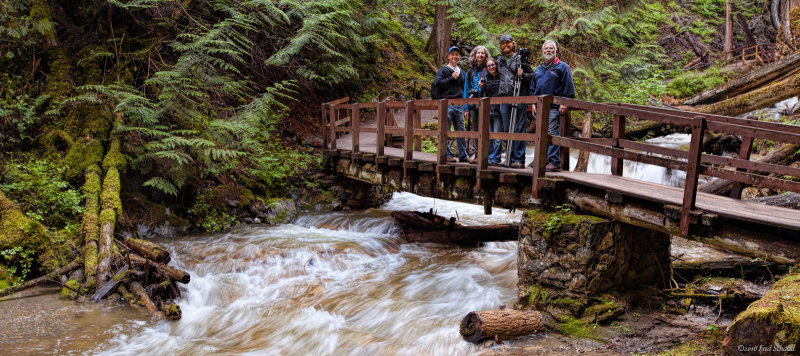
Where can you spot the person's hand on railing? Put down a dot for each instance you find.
(562, 109)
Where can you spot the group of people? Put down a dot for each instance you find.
(507, 75)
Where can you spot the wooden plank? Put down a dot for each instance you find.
(692, 173)
(395, 162)
(426, 133)
(381, 159)
(624, 111)
(618, 133)
(410, 164)
(356, 156)
(487, 174)
(342, 121)
(772, 135)
(324, 125)
(509, 178)
(363, 129)
(368, 157)
(516, 136)
(752, 179)
(338, 101)
(426, 167)
(395, 130)
(465, 171)
(530, 100)
(620, 153)
(395, 104)
(444, 169)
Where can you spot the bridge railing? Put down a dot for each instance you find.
(691, 161)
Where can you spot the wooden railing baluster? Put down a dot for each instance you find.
(441, 152)
(564, 131)
(692, 173)
(355, 124)
(540, 145)
(408, 138)
(617, 133)
(332, 116)
(744, 153)
(380, 135)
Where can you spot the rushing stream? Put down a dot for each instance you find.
(329, 283)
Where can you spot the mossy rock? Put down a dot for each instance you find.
(771, 321)
(70, 293)
(280, 211)
(56, 142)
(17, 230)
(318, 200)
(81, 156)
(6, 279)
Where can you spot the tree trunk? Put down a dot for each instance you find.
(586, 132)
(774, 10)
(439, 41)
(786, 29)
(755, 99)
(752, 80)
(503, 324)
(141, 294)
(728, 31)
(781, 155)
(746, 29)
(148, 249)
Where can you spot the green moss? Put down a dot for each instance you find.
(17, 230)
(55, 141)
(463, 183)
(69, 293)
(573, 327)
(6, 279)
(109, 197)
(90, 260)
(80, 157)
(781, 305)
(566, 303)
(114, 159)
(107, 216)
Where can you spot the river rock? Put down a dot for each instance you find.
(580, 264)
(280, 211)
(769, 325)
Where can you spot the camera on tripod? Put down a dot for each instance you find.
(474, 93)
(525, 54)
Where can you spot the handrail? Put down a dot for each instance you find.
(692, 161)
(761, 53)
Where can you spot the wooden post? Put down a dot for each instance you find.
(441, 153)
(692, 172)
(744, 153)
(332, 117)
(355, 123)
(483, 153)
(540, 146)
(408, 139)
(324, 126)
(380, 136)
(618, 133)
(563, 130)
(418, 125)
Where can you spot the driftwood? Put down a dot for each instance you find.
(148, 249)
(752, 80)
(141, 294)
(429, 227)
(43, 279)
(781, 155)
(739, 267)
(108, 286)
(503, 324)
(169, 271)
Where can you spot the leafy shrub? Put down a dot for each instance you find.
(38, 187)
(691, 83)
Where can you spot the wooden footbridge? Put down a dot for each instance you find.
(759, 230)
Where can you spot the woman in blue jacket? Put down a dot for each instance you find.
(478, 58)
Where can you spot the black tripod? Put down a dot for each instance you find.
(513, 120)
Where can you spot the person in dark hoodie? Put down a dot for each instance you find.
(553, 77)
(450, 84)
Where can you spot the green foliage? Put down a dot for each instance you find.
(18, 262)
(690, 83)
(19, 113)
(555, 219)
(38, 187)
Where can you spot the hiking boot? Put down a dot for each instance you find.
(495, 164)
(451, 159)
(552, 168)
(516, 165)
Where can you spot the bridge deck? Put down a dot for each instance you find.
(720, 205)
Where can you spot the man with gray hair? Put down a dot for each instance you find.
(553, 77)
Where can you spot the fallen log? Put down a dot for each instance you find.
(752, 80)
(429, 227)
(108, 286)
(503, 324)
(169, 271)
(148, 249)
(739, 267)
(141, 295)
(782, 155)
(46, 278)
(754, 100)
(786, 200)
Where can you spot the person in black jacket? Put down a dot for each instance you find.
(510, 65)
(450, 84)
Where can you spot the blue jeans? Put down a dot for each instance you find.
(455, 119)
(520, 126)
(495, 146)
(553, 151)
